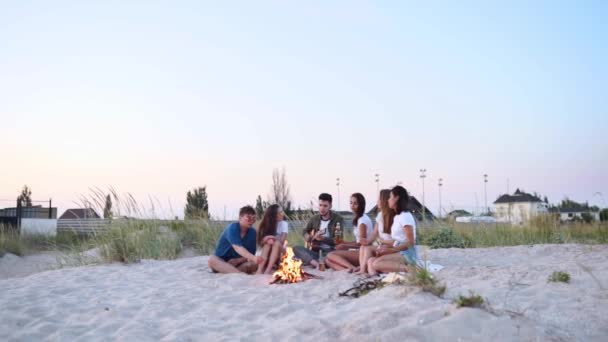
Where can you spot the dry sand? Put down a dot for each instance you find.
(181, 300)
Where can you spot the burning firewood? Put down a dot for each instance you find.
(290, 270)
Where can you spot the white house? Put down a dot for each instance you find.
(519, 207)
(571, 214)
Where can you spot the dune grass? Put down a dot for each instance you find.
(10, 242)
(471, 301)
(542, 230)
(20, 244)
(133, 243)
(130, 240)
(424, 279)
(559, 277)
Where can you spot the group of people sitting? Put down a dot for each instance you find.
(386, 246)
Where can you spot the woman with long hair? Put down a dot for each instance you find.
(402, 254)
(272, 233)
(344, 257)
(381, 233)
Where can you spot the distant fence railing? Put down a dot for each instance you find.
(98, 225)
(83, 226)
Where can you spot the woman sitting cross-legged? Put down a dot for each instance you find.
(272, 233)
(343, 257)
(402, 255)
(381, 233)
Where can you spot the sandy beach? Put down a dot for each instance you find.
(181, 300)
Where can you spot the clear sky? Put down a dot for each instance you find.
(155, 98)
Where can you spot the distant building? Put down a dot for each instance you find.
(452, 215)
(35, 211)
(519, 207)
(572, 214)
(78, 214)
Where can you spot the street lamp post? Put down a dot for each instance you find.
(440, 185)
(485, 192)
(423, 176)
(377, 182)
(338, 185)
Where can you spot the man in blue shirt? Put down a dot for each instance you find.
(235, 251)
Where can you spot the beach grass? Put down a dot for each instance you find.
(425, 280)
(10, 242)
(21, 244)
(538, 231)
(471, 301)
(559, 277)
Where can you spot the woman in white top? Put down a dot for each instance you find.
(381, 233)
(402, 254)
(346, 255)
(272, 233)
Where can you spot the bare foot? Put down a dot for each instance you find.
(314, 264)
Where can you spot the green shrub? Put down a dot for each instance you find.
(136, 241)
(200, 234)
(443, 238)
(559, 277)
(10, 242)
(424, 279)
(472, 300)
(604, 215)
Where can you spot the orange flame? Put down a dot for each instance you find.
(290, 269)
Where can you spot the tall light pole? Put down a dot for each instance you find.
(338, 185)
(485, 192)
(601, 196)
(423, 176)
(377, 182)
(440, 185)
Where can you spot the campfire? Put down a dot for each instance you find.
(290, 270)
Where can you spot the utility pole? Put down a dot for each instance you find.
(485, 192)
(423, 176)
(377, 182)
(440, 185)
(338, 185)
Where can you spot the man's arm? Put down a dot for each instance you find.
(245, 254)
(234, 237)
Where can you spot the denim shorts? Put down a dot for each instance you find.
(409, 255)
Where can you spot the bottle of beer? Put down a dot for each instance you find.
(321, 261)
(338, 234)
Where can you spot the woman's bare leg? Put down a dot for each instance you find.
(274, 256)
(333, 265)
(265, 251)
(346, 259)
(370, 267)
(365, 253)
(390, 263)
